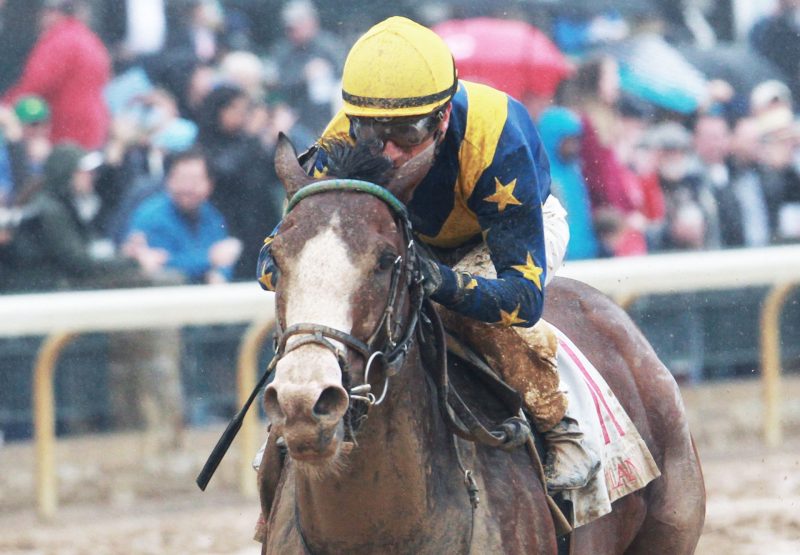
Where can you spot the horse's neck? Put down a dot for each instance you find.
(397, 487)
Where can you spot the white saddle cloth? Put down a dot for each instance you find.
(627, 464)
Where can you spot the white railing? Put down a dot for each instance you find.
(694, 271)
(62, 316)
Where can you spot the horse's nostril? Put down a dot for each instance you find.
(271, 405)
(331, 400)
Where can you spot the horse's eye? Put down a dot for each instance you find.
(386, 261)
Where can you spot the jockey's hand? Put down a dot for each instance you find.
(431, 275)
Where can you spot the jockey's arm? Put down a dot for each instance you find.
(514, 235)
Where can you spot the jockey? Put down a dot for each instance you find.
(488, 183)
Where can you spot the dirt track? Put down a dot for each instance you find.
(113, 504)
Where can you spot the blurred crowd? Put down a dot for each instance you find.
(138, 136)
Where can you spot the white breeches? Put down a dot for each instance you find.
(556, 235)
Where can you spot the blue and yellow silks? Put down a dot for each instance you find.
(490, 178)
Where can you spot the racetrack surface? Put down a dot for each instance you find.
(114, 501)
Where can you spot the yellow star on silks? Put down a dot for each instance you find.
(507, 320)
(503, 195)
(266, 281)
(531, 271)
(320, 173)
(473, 283)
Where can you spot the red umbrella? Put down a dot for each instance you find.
(512, 56)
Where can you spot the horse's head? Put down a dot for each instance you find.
(346, 293)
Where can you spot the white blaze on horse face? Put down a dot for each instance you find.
(324, 279)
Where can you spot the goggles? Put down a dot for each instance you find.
(404, 132)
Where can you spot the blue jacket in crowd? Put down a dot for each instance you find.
(567, 182)
(186, 239)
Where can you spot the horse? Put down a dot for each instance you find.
(371, 465)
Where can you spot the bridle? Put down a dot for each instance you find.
(392, 351)
(390, 342)
(391, 339)
(397, 336)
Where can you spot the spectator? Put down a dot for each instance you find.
(197, 30)
(16, 170)
(690, 221)
(186, 79)
(777, 38)
(781, 162)
(133, 29)
(245, 70)
(60, 247)
(246, 188)
(770, 95)
(179, 230)
(13, 158)
(712, 143)
(135, 159)
(33, 114)
(279, 117)
(635, 120)
(748, 211)
(18, 25)
(616, 189)
(307, 65)
(68, 67)
(561, 135)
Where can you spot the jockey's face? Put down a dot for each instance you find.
(400, 152)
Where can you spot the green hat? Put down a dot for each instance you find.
(32, 109)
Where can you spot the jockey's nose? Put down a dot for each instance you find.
(393, 152)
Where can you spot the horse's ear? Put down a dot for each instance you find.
(288, 168)
(408, 176)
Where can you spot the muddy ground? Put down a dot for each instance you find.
(114, 501)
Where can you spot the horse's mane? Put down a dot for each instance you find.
(362, 160)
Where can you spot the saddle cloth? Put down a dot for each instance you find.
(627, 464)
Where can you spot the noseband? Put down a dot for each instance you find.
(391, 339)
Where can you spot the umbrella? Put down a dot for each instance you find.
(594, 7)
(738, 64)
(512, 56)
(655, 71)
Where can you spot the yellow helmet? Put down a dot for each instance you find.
(397, 68)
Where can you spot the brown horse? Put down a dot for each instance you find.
(394, 483)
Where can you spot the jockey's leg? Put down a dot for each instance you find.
(530, 365)
(525, 358)
(570, 461)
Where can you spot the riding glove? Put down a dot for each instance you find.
(441, 283)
